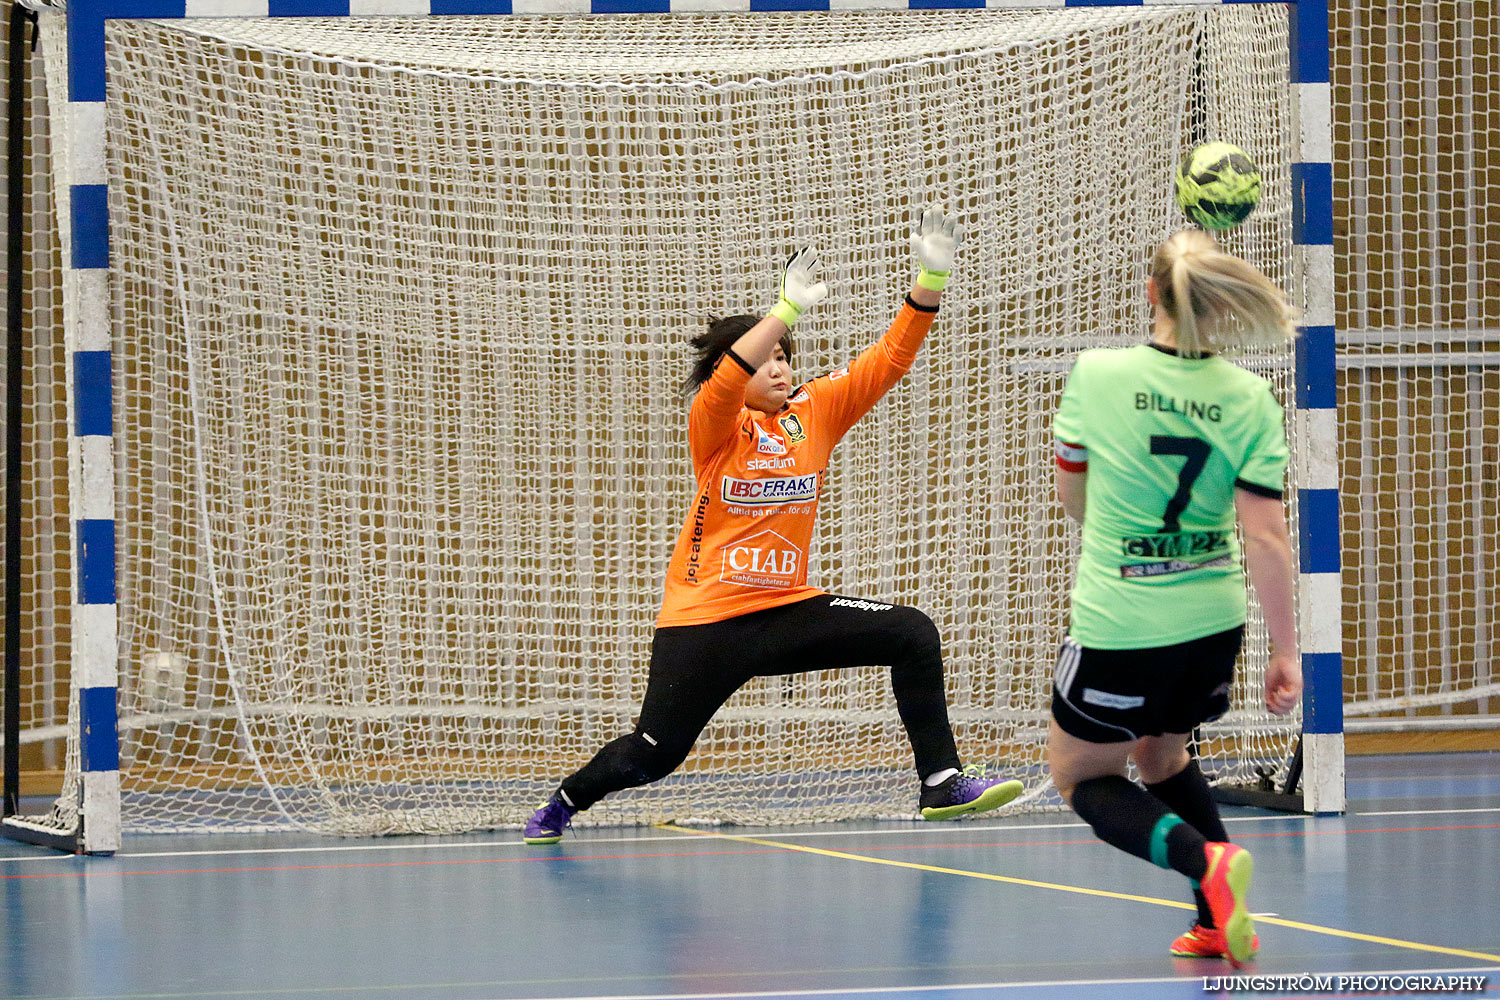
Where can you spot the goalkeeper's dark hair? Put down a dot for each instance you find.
(709, 346)
(1229, 303)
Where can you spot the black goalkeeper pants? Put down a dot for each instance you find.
(696, 668)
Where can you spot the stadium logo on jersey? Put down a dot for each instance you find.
(768, 444)
(776, 490)
(793, 427)
(764, 561)
(784, 462)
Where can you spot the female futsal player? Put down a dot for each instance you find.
(737, 601)
(1158, 447)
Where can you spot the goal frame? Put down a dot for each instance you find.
(94, 653)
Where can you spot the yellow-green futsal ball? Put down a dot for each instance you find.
(1217, 185)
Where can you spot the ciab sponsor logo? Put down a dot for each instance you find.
(766, 560)
(772, 490)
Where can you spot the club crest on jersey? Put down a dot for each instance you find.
(765, 561)
(793, 427)
(768, 444)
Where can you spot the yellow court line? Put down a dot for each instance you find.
(1081, 890)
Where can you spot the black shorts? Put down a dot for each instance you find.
(1119, 695)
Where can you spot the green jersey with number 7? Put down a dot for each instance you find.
(1165, 439)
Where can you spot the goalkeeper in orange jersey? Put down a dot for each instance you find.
(1159, 448)
(737, 603)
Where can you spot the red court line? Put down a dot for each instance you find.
(694, 854)
(390, 864)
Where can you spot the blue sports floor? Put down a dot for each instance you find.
(1407, 883)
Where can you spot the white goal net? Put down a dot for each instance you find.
(1417, 162)
(401, 308)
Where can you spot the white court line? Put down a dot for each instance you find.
(926, 831)
(873, 990)
(1428, 812)
(515, 844)
(1373, 778)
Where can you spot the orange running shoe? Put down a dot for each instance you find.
(1225, 886)
(1206, 942)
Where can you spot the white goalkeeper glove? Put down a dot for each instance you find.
(798, 290)
(934, 243)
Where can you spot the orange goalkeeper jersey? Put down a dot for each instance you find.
(745, 543)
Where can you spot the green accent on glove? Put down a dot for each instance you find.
(786, 311)
(933, 281)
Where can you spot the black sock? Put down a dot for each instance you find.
(1205, 915)
(1126, 816)
(1187, 794)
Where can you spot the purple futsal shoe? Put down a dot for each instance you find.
(547, 824)
(966, 792)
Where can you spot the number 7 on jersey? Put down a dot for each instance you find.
(1195, 451)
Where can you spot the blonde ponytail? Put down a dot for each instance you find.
(1218, 302)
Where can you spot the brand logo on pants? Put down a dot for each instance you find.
(850, 602)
